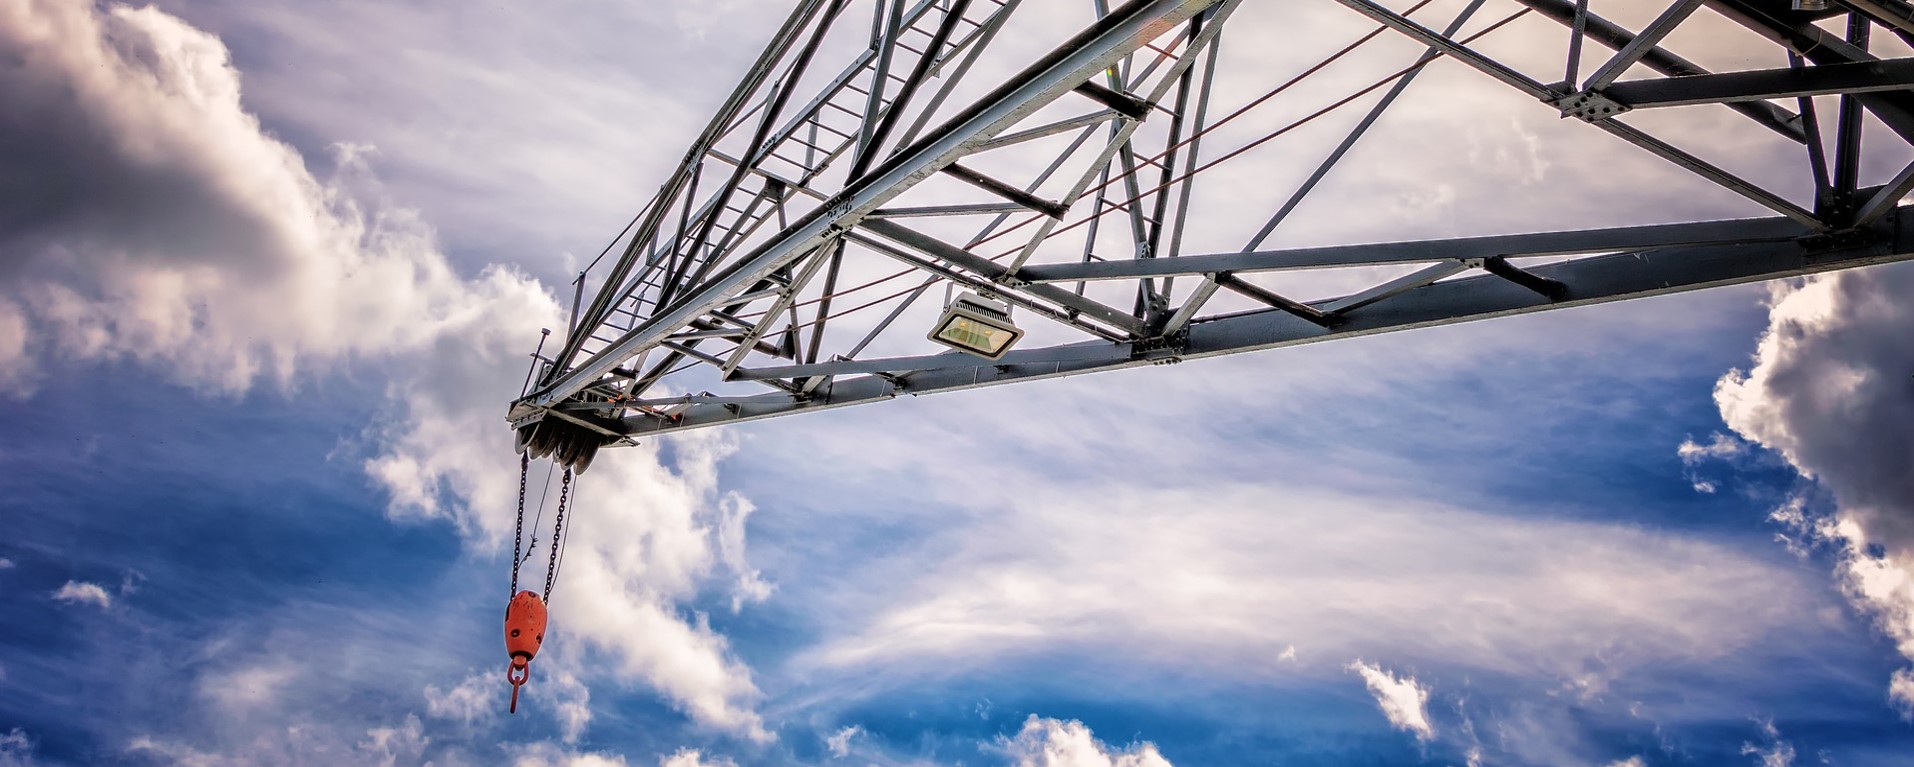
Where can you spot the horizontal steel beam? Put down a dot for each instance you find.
(1759, 85)
(1511, 245)
(1586, 281)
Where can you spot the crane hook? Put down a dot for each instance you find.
(524, 633)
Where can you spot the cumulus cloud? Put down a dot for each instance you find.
(1404, 701)
(1045, 742)
(167, 228)
(1832, 391)
(80, 592)
(840, 742)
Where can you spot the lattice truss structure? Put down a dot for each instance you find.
(883, 157)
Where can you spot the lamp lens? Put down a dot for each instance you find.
(971, 334)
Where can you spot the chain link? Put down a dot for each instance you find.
(518, 535)
(558, 529)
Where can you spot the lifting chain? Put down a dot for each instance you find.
(558, 529)
(518, 535)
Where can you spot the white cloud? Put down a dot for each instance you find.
(1209, 578)
(6, 564)
(80, 592)
(733, 509)
(1633, 761)
(686, 757)
(840, 742)
(130, 582)
(547, 754)
(220, 260)
(219, 256)
(1830, 392)
(181, 755)
(1288, 654)
(249, 689)
(300, 742)
(1719, 446)
(14, 364)
(16, 749)
(1900, 692)
(483, 696)
(627, 564)
(1045, 742)
(1775, 752)
(475, 698)
(393, 746)
(571, 704)
(1402, 699)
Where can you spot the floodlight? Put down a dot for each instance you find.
(977, 326)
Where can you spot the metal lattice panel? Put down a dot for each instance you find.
(882, 156)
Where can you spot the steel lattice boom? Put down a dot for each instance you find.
(881, 156)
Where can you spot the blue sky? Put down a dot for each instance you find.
(258, 485)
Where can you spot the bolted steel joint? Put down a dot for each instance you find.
(1590, 106)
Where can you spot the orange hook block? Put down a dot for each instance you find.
(524, 633)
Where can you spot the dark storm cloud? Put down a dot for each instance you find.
(1833, 390)
(93, 169)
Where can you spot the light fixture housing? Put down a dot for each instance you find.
(976, 325)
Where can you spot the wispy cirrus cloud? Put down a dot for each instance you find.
(1160, 573)
(473, 699)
